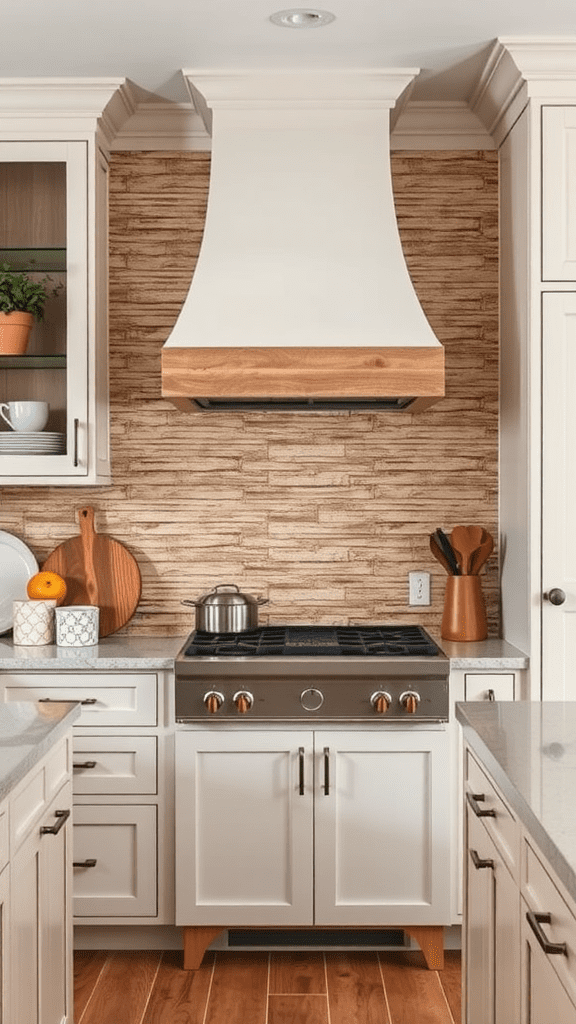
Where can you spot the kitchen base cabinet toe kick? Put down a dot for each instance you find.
(197, 938)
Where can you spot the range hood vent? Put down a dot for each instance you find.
(301, 299)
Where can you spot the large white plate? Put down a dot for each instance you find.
(17, 565)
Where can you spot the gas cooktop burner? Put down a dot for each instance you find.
(310, 641)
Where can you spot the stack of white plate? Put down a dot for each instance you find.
(32, 442)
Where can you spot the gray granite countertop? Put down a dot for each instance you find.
(27, 731)
(113, 652)
(529, 749)
(491, 654)
(149, 652)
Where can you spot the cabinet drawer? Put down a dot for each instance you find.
(479, 685)
(502, 826)
(122, 839)
(542, 896)
(107, 699)
(123, 764)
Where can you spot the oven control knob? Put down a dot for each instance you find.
(311, 699)
(410, 701)
(380, 701)
(213, 701)
(243, 701)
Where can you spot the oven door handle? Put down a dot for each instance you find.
(301, 770)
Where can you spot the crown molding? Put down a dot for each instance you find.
(72, 105)
(519, 69)
(177, 126)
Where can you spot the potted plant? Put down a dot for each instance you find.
(22, 300)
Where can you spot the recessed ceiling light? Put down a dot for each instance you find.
(302, 17)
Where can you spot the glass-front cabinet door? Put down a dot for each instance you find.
(45, 232)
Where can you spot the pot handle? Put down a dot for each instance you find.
(192, 603)
(262, 600)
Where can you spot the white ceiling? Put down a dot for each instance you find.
(148, 41)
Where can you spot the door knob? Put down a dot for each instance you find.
(555, 596)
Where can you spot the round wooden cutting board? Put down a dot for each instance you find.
(98, 570)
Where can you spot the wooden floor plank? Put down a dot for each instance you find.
(178, 996)
(451, 981)
(297, 1009)
(88, 965)
(239, 989)
(355, 991)
(297, 973)
(123, 988)
(414, 993)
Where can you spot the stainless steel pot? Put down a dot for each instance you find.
(226, 610)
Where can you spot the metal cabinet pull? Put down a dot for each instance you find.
(91, 863)
(478, 862)
(535, 920)
(491, 695)
(326, 771)
(301, 770)
(60, 700)
(84, 764)
(475, 799)
(53, 830)
(555, 596)
(76, 426)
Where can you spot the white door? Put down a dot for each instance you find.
(244, 804)
(559, 497)
(382, 837)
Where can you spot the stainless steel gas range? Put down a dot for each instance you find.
(290, 673)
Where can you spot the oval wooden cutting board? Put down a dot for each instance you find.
(98, 570)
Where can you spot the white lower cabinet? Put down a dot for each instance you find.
(298, 828)
(520, 922)
(40, 938)
(123, 802)
(4, 945)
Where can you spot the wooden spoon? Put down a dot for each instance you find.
(465, 540)
(482, 553)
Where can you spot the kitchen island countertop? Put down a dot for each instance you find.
(27, 731)
(529, 748)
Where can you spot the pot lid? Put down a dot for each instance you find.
(226, 594)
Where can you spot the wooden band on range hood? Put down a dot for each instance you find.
(303, 372)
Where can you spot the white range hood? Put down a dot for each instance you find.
(301, 297)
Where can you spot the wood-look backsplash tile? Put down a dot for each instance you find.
(325, 514)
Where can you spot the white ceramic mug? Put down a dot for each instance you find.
(77, 625)
(25, 416)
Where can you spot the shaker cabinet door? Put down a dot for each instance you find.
(244, 828)
(382, 834)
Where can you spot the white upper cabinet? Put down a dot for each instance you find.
(53, 222)
(559, 193)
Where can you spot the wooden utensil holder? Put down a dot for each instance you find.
(464, 615)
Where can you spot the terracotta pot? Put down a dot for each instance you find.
(14, 333)
(464, 609)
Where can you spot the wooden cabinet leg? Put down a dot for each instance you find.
(197, 938)
(430, 938)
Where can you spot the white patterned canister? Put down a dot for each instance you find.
(33, 623)
(77, 625)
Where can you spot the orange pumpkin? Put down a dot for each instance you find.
(46, 586)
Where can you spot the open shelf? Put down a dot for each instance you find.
(32, 362)
(35, 261)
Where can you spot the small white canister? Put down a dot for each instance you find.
(77, 625)
(33, 623)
